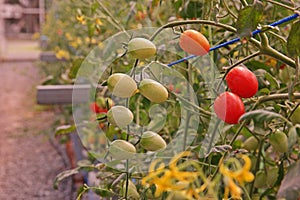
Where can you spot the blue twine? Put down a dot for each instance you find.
(281, 21)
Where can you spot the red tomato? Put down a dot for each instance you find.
(102, 125)
(194, 42)
(229, 107)
(97, 109)
(242, 82)
(171, 87)
(94, 107)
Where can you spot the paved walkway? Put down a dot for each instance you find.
(28, 160)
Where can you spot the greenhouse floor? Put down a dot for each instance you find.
(29, 159)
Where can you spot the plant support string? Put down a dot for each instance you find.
(279, 22)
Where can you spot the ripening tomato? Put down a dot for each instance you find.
(194, 42)
(94, 107)
(119, 116)
(152, 141)
(153, 90)
(121, 150)
(121, 85)
(242, 82)
(229, 107)
(141, 48)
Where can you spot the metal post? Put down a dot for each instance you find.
(2, 32)
(41, 13)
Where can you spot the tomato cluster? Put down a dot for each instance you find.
(123, 86)
(243, 84)
(228, 106)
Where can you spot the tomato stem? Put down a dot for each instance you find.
(275, 97)
(179, 23)
(228, 10)
(281, 4)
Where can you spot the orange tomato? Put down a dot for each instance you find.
(194, 42)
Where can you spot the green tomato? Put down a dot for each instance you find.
(132, 192)
(153, 90)
(119, 116)
(151, 141)
(141, 48)
(150, 196)
(272, 175)
(121, 85)
(285, 74)
(251, 144)
(295, 117)
(260, 179)
(121, 150)
(279, 141)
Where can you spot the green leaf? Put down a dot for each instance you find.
(63, 175)
(264, 91)
(158, 117)
(272, 80)
(292, 136)
(47, 80)
(192, 9)
(290, 186)
(255, 65)
(293, 42)
(248, 19)
(65, 129)
(103, 192)
(91, 29)
(262, 115)
(81, 191)
(94, 7)
(75, 67)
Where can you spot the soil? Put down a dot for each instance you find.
(29, 158)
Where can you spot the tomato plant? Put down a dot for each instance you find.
(160, 94)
